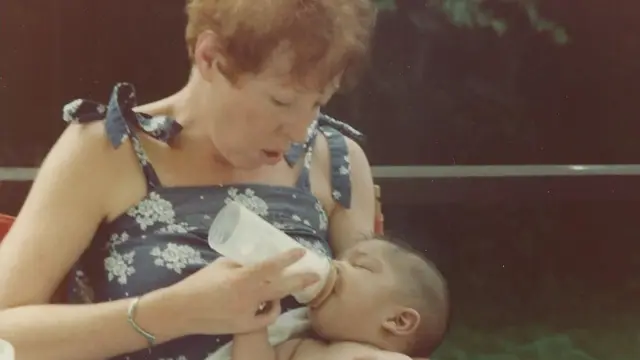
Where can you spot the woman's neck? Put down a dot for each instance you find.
(193, 138)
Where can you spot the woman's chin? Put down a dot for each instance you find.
(246, 163)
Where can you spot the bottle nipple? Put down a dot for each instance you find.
(327, 289)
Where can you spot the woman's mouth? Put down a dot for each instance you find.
(272, 156)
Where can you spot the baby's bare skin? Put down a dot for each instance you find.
(310, 349)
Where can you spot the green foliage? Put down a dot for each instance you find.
(532, 342)
(476, 14)
(385, 4)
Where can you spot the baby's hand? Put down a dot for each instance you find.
(252, 345)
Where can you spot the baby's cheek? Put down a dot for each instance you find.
(326, 322)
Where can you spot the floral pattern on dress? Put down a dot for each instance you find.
(154, 209)
(323, 219)
(249, 200)
(119, 266)
(314, 246)
(176, 257)
(116, 239)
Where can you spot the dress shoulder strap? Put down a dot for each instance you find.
(121, 122)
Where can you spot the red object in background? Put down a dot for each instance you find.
(5, 223)
(379, 225)
(378, 220)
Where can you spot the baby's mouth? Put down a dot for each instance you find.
(328, 289)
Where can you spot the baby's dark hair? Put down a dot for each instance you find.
(426, 292)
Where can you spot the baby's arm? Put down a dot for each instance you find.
(256, 346)
(253, 346)
(310, 349)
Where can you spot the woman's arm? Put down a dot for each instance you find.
(348, 226)
(67, 202)
(86, 332)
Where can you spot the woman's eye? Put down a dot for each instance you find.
(279, 102)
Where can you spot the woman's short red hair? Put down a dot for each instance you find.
(326, 37)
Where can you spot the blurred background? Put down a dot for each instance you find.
(540, 267)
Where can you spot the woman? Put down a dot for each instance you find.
(128, 192)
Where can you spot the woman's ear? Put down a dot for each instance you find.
(207, 56)
(405, 321)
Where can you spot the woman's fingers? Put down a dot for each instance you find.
(273, 267)
(279, 285)
(226, 262)
(268, 315)
(289, 284)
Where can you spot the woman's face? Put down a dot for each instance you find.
(254, 121)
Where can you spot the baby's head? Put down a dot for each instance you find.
(387, 295)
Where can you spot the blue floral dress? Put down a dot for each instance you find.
(163, 238)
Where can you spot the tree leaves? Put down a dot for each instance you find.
(479, 14)
(385, 4)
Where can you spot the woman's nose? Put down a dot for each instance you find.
(298, 127)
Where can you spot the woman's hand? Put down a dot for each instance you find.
(224, 297)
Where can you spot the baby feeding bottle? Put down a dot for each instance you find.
(241, 235)
(6, 350)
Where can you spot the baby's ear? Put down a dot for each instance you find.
(404, 322)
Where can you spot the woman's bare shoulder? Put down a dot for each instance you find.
(85, 156)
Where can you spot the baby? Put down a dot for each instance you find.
(389, 302)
